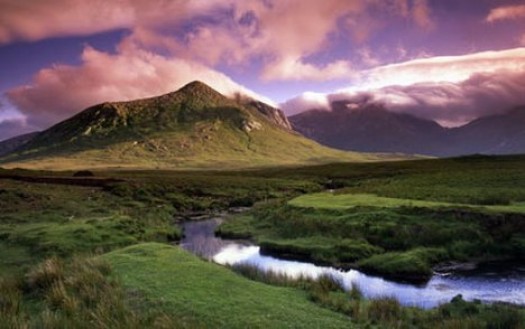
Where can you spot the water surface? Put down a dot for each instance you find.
(503, 282)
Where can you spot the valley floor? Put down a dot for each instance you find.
(87, 252)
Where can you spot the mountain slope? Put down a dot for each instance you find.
(371, 129)
(9, 145)
(193, 127)
(496, 134)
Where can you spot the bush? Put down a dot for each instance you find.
(241, 202)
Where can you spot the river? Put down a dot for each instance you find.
(503, 282)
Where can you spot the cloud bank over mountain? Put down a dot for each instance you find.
(451, 90)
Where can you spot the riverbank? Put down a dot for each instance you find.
(404, 244)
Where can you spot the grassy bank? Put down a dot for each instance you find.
(387, 312)
(159, 286)
(215, 296)
(401, 243)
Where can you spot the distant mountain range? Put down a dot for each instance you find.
(194, 127)
(372, 128)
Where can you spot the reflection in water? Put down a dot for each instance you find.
(487, 284)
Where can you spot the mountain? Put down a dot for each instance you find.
(496, 134)
(9, 145)
(371, 128)
(194, 127)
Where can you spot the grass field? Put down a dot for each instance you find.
(331, 200)
(395, 218)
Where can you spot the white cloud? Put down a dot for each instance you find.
(295, 69)
(444, 68)
(306, 101)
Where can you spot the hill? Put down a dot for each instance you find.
(194, 127)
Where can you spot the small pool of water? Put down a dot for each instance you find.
(503, 282)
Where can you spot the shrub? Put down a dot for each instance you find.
(84, 173)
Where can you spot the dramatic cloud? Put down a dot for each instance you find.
(444, 68)
(281, 35)
(506, 12)
(450, 90)
(35, 20)
(60, 91)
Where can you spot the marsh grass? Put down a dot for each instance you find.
(386, 312)
(403, 244)
(79, 293)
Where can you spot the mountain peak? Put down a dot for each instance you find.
(196, 87)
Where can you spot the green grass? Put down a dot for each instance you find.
(330, 200)
(78, 293)
(414, 263)
(387, 312)
(41, 220)
(214, 295)
(381, 240)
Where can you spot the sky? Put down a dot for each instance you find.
(451, 61)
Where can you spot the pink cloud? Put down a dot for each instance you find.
(60, 91)
(280, 34)
(295, 69)
(450, 90)
(505, 13)
(35, 20)
(422, 15)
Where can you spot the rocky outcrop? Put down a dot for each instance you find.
(271, 113)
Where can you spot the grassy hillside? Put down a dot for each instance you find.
(195, 127)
